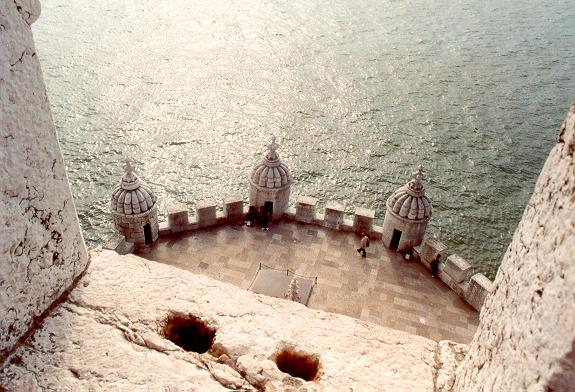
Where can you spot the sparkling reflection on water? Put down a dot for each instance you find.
(358, 92)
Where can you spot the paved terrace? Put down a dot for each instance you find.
(383, 288)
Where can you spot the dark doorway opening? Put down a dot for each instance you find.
(395, 239)
(269, 207)
(147, 234)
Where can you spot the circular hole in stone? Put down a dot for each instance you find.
(189, 332)
(296, 364)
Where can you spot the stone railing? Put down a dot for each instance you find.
(453, 271)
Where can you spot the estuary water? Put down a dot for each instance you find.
(358, 93)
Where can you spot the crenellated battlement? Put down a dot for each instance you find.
(454, 271)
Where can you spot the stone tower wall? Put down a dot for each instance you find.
(132, 226)
(279, 197)
(412, 232)
(526, 336)
(42, 249)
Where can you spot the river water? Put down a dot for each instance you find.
(358, 92)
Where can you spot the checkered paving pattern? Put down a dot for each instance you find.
(383, 288)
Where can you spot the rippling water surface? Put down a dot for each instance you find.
(358, 91)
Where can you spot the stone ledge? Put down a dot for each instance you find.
(105, 335)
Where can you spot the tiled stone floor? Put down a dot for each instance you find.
(383, 288)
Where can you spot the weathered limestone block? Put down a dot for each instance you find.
(234, 208)
(450, 355)
(178, 218)
(334, 213)
(118, 244)
(206, 213)
(429, 250)
(457, 267)
(525, 340)
(41, 246)
(479, 287)
(107, 338)
(363, 220)
(305, 208)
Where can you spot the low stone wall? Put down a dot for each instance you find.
(455, 272)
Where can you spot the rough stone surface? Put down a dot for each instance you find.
(449, 357)
(29, 10)
(106, 337)
(525, 340)
(41, 246)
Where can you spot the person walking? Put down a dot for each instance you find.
(363, 244)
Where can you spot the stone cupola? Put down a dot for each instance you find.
(408, 211)
(270, 183)
(133, 208)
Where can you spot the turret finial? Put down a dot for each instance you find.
(272, 149)
(128, 168)
(416, 182)
(130, 180)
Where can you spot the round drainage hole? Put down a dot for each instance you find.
(189, 332)
(298, 365)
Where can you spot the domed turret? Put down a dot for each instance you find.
(133, 207)
(270, 183)
(407, 214)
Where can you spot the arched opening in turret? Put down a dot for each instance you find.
(148, 234)
(395, 238)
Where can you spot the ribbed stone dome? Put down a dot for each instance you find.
(131, 196)
(271, 172)
(410, 201)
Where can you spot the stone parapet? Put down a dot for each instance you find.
(234, 208)
(429, 250)
(334, 215)
(458, 287)
(454, 271)
(206, 213)
(305, 208)
(479, 287)
(457, 267)
(363, 220)
(178, 218)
